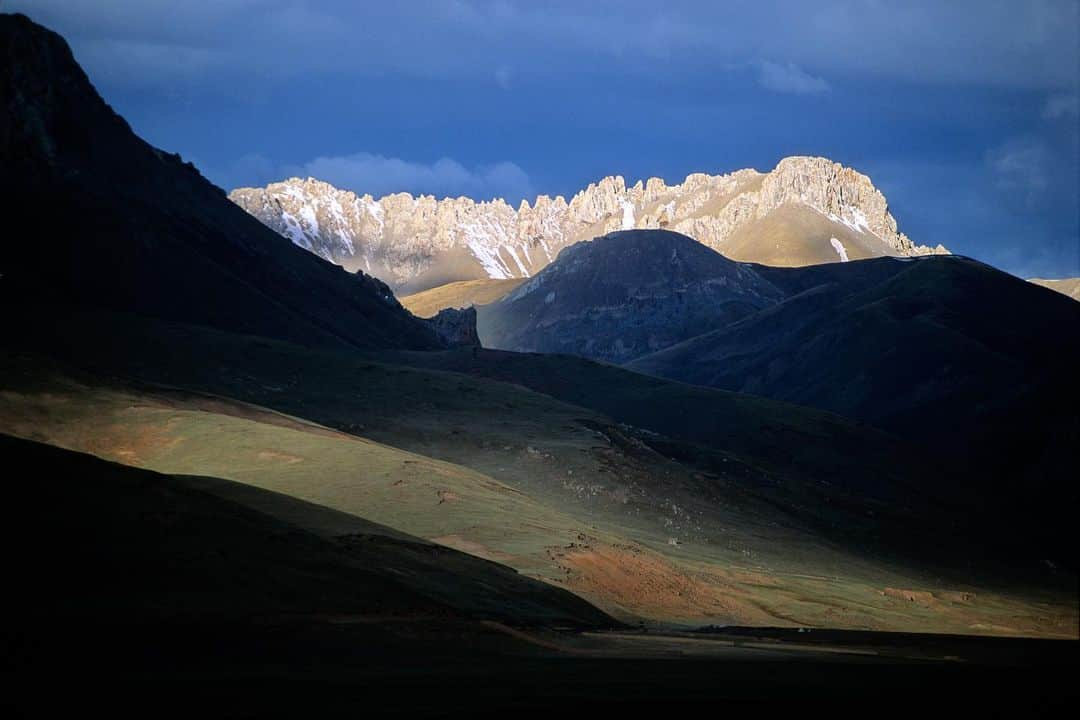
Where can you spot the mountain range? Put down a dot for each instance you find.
(239, 470)
(807, 210)
(965, 360)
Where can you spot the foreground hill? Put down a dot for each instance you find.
(657, 501)
(130, 227)
(976, 364)
(137, 546)
(304, 527)
(806, 210)
(624, 295)
(758, 522)
(932, 346)
(162, 586)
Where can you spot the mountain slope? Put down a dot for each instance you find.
(974, 363)
(772, 528)
(806, 210)
(1069, 287)
(135, 544)
(465, 293)
(928, 328)
(624, 295)
(99, 217)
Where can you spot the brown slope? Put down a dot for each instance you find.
(793, 235)
(465, 293)
(1069, 287)
(100, 539)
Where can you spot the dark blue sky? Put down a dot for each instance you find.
(965, 114)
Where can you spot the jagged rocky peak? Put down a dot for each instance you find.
(807, 210)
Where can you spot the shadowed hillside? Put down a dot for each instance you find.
(134, 544)
(131, 227)
(624, 295)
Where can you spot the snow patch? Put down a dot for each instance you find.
(489, 259)
(627, 215)
(853, 218)
(308, 216)
(343, 227)
(374, 208)
(839, 248)
(521, 266)
(293, 231)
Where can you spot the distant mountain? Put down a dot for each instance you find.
(96, 216)
(902, 345)
(969, 362)
(624, 295)
(976, 366)
(1069, 287)
(805, 211)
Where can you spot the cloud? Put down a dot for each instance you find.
(379, 175)
(149, 64)
(1032, 45)
(1061, 106)
(789, 78)
(1021, 170)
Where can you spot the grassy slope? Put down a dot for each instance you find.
(602, 506)
(130, 543)
(465, 293)
(976, 364)
(792, 236)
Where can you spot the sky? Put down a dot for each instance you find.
(963, 113)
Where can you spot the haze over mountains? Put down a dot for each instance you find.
(806, 210)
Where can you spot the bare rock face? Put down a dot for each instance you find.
(807, 210)
(456, 327)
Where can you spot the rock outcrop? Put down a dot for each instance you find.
(414, 243)
(456, 327)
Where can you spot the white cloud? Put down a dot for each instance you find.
(378, 175)
(789, 78)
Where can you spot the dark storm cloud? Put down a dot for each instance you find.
(518, 97)
(1029, 44)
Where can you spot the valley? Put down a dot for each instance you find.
(295, 450)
